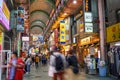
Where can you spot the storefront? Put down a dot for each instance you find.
(89, 48)
(113, 40)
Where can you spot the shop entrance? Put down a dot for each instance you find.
(4, 60)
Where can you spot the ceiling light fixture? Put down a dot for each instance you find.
(65, 13)
(74, 1)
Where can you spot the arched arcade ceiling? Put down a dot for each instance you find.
(39, 13)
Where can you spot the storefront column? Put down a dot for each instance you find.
(102, 28)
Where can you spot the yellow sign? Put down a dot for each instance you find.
(6, 11)
(85, 41)
(62, 32)
(113, 33)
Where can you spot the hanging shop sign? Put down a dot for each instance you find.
(88, 27)
(25, 46)
(62, 32)
(113, 33)
(85, 41)
(4, 16)
(20, 19)
(56, 35)
(88, 22)
(20, 28)
(6, 11)
(88, 17)
(40, 38)
(35, 38)
(25, 38)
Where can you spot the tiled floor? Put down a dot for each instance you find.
(42, 74)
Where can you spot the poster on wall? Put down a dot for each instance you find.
(20, 19)
(62, 32)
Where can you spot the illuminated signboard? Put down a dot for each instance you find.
(3, 20)
(62, 32)
(6, 10)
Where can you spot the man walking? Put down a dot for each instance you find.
(57, 60)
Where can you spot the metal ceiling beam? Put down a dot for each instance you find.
(40, 11)
(38, 21)
(36, 26)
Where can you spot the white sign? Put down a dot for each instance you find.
(25, 38)
(88, 27)
(88, 17)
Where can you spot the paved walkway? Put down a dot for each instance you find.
(42, 74)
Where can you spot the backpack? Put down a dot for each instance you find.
(74, 63)
(75, 70)
(59, 65)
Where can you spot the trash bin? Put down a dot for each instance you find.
(102, 71)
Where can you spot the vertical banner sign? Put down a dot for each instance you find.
(56, 35)
(20, 19)
(62, 32)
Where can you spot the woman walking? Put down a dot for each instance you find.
(19, 69)
(28, 64)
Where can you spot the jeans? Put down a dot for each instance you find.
(28, 68)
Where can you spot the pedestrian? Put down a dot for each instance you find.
(119, 72)
(36, 61)
(43, 59)
(73, 62)
(12, 66)
(33, 60)
(28, 64)
(19, 69)
(57, 61)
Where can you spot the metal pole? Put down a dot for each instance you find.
(102, 27)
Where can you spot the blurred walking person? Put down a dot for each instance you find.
(57, 61)
(19, 69)
(28, 64)
(36, 61)
(12, 66)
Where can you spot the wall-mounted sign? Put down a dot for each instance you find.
(20, 19)
(20, 28)
(113, 33)
(62, 32)
(88, 17)
(1, 3)
(88, 27)
(85, 41)
(6, 11)
(3, 20)
(25, 38)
